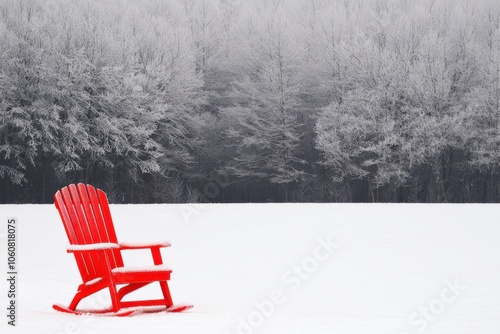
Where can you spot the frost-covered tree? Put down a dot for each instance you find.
(100, 96)
(264, 125)
(207, 31)
(483, 102)
(29, 123)
(390, 100)
(360, 133)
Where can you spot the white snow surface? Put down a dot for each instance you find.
(277, 268)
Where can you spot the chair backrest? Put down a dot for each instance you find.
(87, 220)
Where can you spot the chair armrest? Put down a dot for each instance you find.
(92, 247)
(131, 245)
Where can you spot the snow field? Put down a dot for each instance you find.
(280, 268)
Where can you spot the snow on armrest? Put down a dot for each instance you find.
(140, 245)
(91, 247)
(128, 269)
(94, 281)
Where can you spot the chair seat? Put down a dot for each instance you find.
(138, 269)
(135, 274)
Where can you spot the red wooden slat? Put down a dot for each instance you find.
(110, 227)
(103, 201)
(91, 219)
(70, 232)
(79, 236)
(148, 302)
(63, 212)
(89, 213)
(98, 218)
(92, 266)
(97, 207)
(143, 276)
(75, 223)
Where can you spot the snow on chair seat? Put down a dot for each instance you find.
(141, 269)
(140, 274)
(87, 220)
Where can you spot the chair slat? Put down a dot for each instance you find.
(108, 221)
(70, 232)
(63, 212)
(98, 206)
(90, 238)
(110, 227)
(89, 214)
(78, 232)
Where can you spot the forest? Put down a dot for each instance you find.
(180, 101)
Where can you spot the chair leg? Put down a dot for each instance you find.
(114, 297)
(163, 284)
(76, 300)
(166, 293)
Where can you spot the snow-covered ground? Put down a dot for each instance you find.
(269, 268)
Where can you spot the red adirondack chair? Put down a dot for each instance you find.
(86, 216)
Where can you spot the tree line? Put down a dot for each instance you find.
(263, 101)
